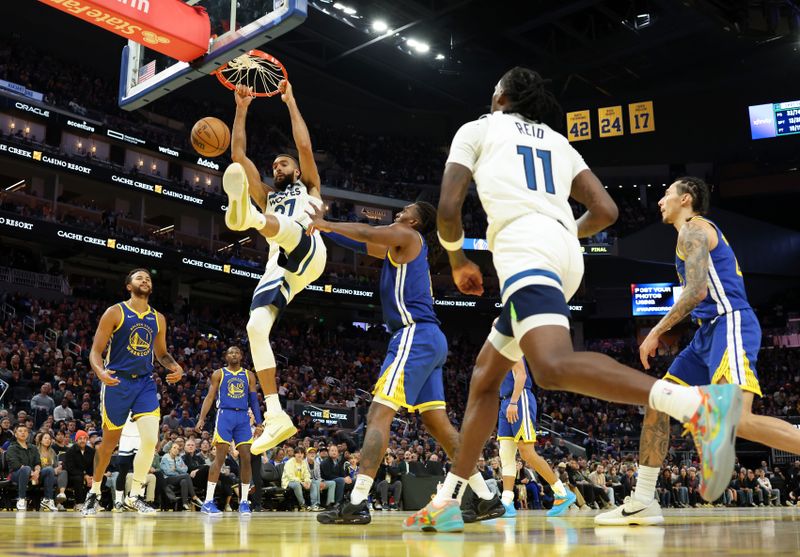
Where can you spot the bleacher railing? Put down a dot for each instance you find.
(35, 280)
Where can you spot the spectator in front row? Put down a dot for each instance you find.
(318, 485)
(332, 469)
(297, 476)
(25, 467)
(49, 459)
(388, 477)
(176, 473)
(79, 464)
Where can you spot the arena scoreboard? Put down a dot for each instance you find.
(774, 119)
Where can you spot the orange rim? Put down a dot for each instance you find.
(258, 70)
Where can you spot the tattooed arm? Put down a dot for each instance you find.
(693, 242)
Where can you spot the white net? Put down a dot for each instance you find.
(257, 70)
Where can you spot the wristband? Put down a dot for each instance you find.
(451, 246)
(510, 403)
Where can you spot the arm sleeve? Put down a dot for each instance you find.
(255, 407)
(345, 242)
(466, 146)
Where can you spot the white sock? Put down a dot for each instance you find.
(646, 479)
(244, 493)
(452, 488)
(508, 497)
(676, 400)
(273, 405)
(361, 490)
(137, 489)
(478, 485)
(118, 495)
(96, 488)
(559, 489)
(210, 487)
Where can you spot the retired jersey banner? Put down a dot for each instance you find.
(170, 27)
(579, 127)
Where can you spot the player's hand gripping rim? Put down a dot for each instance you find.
(243, 95)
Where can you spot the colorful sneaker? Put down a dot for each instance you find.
(240, 214)
(432, 518)
(91, 505)
(562, 504)
(209, 507)
(277, 429)
(713, 428)
(511, 511)
(346, 513)
(244, 508)
(138, 504)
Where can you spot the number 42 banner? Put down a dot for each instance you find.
(579, 126)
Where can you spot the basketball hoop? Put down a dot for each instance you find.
(257, 70)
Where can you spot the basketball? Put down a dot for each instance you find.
(210, 136)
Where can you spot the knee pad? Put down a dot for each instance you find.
(508, 457)
(148, 433)
(259, 327)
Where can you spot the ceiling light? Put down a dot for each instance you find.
(412, 43)
(348, 10)
(422, 48)
(379, 26)
(338, 6)
(440, 56)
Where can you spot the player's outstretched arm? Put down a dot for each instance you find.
(455, 183)
(164, 357)
(693, 244)
(213, 387)
(302, 140)
(253, 397)
(601, 211)
(257, 189)
(111, 318)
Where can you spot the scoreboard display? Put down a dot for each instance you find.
(774, 119)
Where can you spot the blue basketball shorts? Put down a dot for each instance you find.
(411, 375)
(137, 397)
(524, 429)
(232, 427)
(724, 348)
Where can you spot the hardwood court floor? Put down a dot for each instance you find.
(700, 533)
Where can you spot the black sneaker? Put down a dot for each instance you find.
(90, 505)
(483, 509)
(346, 513)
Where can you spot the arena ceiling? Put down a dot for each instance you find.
(588, 48)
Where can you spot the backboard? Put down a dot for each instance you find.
(236, 27)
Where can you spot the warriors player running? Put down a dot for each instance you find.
(295, 259)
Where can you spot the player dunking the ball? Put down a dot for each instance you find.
(724, 349)
(295, 259)
(411, 375)
(234, 389)
(525, 173)
(134, 335)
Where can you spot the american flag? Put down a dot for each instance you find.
(147, 71)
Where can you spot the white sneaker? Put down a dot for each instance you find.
(632, 512)
(22, 505)
(47, 505)
(240, 213)
(277, 429)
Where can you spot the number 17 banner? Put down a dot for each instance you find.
(641, 117)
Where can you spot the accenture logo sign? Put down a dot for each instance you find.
(207, 163)
(81, 126)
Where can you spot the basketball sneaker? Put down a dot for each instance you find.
(119, 507)
(22, 505)
(562, 504)
(632, 511)
(244, 508)
(210, 507)
(483, 509)
(240, 214)
(47, 505)
(713, 428)
(90, 505)
(346, 513)
(511, 511)
(138, 504)
(277, 429)
(432, 518)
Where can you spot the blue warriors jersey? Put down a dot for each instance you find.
(130, 349)
(406, 293)
(726, 292)
(234, 390)
(507, 386)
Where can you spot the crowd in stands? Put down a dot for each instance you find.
(53, 394)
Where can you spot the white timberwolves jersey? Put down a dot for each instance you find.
(520, 167)
(292, 203)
